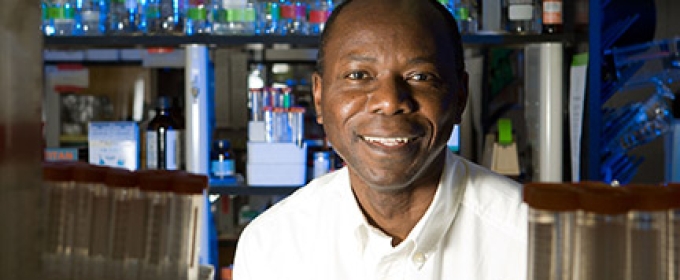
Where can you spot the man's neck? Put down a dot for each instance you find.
(396, 213)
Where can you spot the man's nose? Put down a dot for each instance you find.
(393, 96)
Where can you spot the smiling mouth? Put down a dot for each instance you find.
(388, 141)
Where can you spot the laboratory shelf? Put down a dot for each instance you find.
(145, 41)
(240, 188)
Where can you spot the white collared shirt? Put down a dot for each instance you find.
(475, 228)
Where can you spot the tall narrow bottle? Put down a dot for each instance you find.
(163, 144)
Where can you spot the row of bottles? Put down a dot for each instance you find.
(251, 17)
(110, 223)
(593, 231)
(190, 17)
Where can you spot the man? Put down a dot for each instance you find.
(390, 86)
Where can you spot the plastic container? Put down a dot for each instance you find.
(648, 228)
(602, 233)
(294, 18)
(92, 17)
(184, 227)
(88, 179)
(156, 185)
(196, 17)
(129, 222)
(60, 221)
(319, 12)
(322, 163)
(268, 17)
(62, 15)
(124, 17)
(466, 16)
(161, 17)
(233, 17)
(552, 214)
(521, 16)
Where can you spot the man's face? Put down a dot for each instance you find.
(389, 95)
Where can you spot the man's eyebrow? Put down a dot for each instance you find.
(429, 59)
(359, 57)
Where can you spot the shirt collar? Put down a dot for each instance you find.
(435, 222)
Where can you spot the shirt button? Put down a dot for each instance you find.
(419, 258)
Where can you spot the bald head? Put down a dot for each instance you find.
(429, 13)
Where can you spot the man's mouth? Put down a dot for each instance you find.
(388, 141)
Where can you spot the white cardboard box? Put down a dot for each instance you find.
(114, 144)
(276, 164)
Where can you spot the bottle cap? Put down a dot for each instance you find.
(652, 198)
(222, 144)
(87, 173)
(603, 199)
(156, 180)
(118, 177)
(553, 197)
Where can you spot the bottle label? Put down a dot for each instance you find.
(520, 12)
(233, 15)
(293, 11)
(222, 168)
(319, 16)
(62, 13)
(89, 15)
(552, 12)
(249, 14)
(152, 12)
(273, 11)
(198, 13)
(163, 149)
(462, 14)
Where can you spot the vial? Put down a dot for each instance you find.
(222, 159)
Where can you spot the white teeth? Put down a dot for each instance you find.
(387, 141)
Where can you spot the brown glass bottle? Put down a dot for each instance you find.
(552, 16)
(163, 144)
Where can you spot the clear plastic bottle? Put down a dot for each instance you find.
(183, 240)
(163, 143)
(156, 185)
(87, 178)
(92, 17)
(466, 15)
(602, 233)
(521, 16)
(648, 228)
(60, 221)
(552, 214)
(196, 17)
(233, 17)
(46, 27)
(322, 163)
(319, 11)
(268, 17)
(123, 188)
(161, 17)
(123, 17)
(62, 14)
(294, 18)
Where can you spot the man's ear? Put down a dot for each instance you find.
(317, 85)
(461, 96)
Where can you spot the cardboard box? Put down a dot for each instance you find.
(114, 144)
(276, 164)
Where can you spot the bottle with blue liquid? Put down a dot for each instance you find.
(123, 17)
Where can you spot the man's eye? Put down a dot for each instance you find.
(357, 75)
(420, 77)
